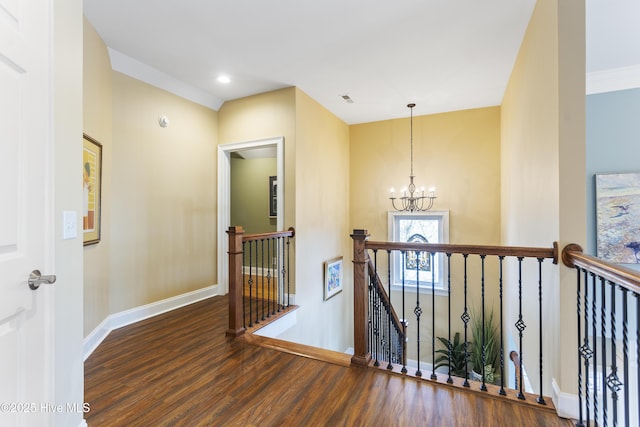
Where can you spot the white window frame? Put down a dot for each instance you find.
(439, 261)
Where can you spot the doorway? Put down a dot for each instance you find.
(225, 152)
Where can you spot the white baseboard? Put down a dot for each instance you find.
(136, 314)
(566, 403)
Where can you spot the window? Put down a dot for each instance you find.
(420, 227)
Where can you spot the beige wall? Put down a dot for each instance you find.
(322, 225)
(264, 116)
(163, 201)
(459, 153)
(316, 188)
(543, 190)
(250, 194)
(97, 123)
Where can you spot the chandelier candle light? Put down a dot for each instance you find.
(410, 199)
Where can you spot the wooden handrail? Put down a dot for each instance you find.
(572, 256)
(291, 232)
(512, 251)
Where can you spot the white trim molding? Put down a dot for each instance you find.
(614, 79)
(566, 403)
(136, 314)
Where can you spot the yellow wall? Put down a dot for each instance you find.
(543, 190)
(264, 116)
(97, 123)
(459, 153)
(163, 201)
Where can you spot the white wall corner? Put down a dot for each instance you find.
(83, 423)
(566, 403)
(136, 314)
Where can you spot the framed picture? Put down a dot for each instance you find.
(332, 277)
(617, 217)
(92, 188)
(273, 196)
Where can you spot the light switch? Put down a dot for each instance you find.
(69, 225)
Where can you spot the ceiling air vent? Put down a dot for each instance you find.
(347, 98)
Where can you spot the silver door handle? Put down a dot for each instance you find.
(36, 279)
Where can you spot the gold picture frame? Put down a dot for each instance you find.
(92, 189)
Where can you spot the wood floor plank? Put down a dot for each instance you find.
(178, 369)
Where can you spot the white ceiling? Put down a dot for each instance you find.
(444, 55)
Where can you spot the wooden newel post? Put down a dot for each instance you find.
(236, 324)
(361, 355)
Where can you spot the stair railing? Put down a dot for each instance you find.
(517, 256)
(259, 277)
(608, 314)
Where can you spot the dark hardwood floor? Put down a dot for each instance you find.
(177, 369)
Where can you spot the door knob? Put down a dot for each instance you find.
(36, 279)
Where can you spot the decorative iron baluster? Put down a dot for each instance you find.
(284, 271)
(250, 284)
(625, 354)
(502, 392)
(603, 334)
(279, 282)
(262, 276)
(270, 309)
(390, 365)
(540, 398)
(613, 382)
(595, 346)
(376, 313)
(483, 386)
(404, 316)
(450, 345)
(244, 297)
(433, 318)
(418, 311)
(465, 319)
(520, 325)
(578, 304)
(586, 351)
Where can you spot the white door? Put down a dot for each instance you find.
(26, 234)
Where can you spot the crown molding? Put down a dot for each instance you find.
(143, 72)
(613, 79)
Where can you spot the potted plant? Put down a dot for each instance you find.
(491, 346)
(454, 349)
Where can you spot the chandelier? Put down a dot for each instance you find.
(410, 199)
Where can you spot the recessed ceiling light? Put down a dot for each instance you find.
(224, 79)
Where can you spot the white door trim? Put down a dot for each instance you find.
(224, 197)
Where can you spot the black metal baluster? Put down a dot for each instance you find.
(404, 316)
(613, 382)
(586, 351)
(262, 273)
(286, 268)
(244, 296)
(483, 386)
(376, 313)
(603, 334)
(370, 317)
(579, 301)
(390, 365)
(603, 344)
(279, 282)
(433, 318)
(269, 285)
(625, 354)
(540, 398)
(250, 284)
(502, 392)
(450, 349)
(418, 311)
(520, 325)
(465, 319)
